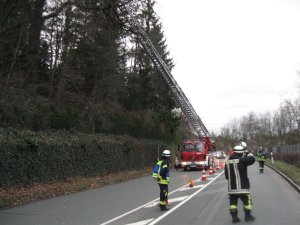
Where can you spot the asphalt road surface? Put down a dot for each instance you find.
(134, 202)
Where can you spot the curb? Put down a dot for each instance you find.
(297, 188)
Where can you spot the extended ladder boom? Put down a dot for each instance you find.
(186, 107)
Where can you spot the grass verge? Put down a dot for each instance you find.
(21, 195)
(291, 171)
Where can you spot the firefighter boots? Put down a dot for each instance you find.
(163, 208)
(248, 216)
(235, 218)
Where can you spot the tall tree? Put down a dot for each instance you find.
(13, 39)
(145, 83)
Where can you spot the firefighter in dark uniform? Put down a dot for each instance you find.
(161, 173)
(238, 183)
(244, 145)
(261, 159)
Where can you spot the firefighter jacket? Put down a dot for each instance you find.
(261, 156)
(236, 173)
(161, 171)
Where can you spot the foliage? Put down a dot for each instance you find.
(278, 128)
(34, 157)
(291, 171)
(69, 65)
(290, 158)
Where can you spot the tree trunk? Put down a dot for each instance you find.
(37, 21)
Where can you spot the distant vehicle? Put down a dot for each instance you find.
(219, 154)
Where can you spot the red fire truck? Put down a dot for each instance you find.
(195, 154)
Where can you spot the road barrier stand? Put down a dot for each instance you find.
(218, 167)
(203, 174)
(210, 169)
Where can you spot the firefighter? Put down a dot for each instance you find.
(161, 173)
(261, 159)
(238, 183)
(244, 145)
(246, 152)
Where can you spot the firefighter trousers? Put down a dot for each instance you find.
(246, 199)
(163, 193)
(261, 164)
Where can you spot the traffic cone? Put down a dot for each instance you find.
(203, 174)
(218, 167)
(191, 183)
(210, 170)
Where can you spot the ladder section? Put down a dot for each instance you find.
(197, 125)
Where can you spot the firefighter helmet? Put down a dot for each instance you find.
(243, 144)
(238, 149)
(166, 153)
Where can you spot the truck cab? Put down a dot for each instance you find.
(194, 154)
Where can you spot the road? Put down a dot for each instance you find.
(134, 202)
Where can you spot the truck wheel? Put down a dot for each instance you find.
(185, 169)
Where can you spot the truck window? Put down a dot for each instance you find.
(190, 147)
(199, 147)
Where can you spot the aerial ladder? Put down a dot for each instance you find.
(190, 116)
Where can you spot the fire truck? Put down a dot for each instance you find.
(193, 153)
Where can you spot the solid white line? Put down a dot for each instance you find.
(127, 213)
(191, 188)
(181, 203)
(172, 200)
(144, 222)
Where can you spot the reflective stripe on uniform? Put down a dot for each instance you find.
(155, 174)
(249, 206)
(239, 191)
(232, 207)
(162, 181)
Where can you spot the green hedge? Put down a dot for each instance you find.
(28, 157)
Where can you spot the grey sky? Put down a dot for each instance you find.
(233, 56)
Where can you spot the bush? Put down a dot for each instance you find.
(28, 157)
(290, 158)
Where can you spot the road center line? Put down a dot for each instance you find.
(168, 212)
(181, 203)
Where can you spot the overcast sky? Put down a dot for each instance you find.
(235, 56)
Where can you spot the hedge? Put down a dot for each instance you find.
(28, 157)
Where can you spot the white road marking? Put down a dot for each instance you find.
(181, 203)
(170, 201)
(144, 222)
(190, 188)
(127, 213)
(155, 200)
